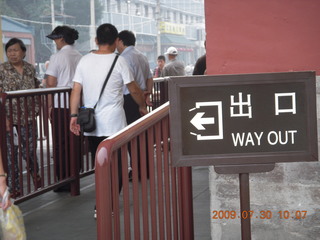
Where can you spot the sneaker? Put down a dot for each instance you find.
(130, 175)
(95, 213)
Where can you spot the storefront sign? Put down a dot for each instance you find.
(173, 28)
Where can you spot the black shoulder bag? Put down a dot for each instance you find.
(86, 118)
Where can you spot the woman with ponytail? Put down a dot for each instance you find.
(60, 72)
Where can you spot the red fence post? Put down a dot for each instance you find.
(186, 203)
(103, 192)
(74, 164)
(3, 140)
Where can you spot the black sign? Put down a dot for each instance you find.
(243, 119)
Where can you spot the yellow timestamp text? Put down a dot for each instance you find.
(262, 214)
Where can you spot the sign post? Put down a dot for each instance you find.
(243, 124)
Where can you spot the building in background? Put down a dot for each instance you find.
(11, 29)
(159, 24)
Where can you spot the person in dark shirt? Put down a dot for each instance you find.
(201, 65)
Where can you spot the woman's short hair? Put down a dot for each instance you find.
(14, 41)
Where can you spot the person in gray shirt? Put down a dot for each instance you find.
(139, 66)
(174, 67)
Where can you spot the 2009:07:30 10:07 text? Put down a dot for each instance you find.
(264, 214)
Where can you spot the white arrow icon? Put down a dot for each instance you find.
(198, 121)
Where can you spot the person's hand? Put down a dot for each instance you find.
(3, 188)
(147, 97)
(74, 126)
(143, 110)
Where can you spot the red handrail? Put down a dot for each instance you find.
(162, 203)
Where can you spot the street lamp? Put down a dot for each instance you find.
(53, 25)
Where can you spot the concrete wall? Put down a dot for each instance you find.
(262, 36)
(252, 36)
(291, 186)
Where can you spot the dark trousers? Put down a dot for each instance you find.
(93, 145)
(61, 142)
(28, 138)
(132, 112)
(131, 109)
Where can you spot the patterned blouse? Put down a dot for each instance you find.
(11, 80)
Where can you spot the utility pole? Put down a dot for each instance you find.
(158, 15)
(62, 10)
(92, 25)
(129, 15)
(53, 25)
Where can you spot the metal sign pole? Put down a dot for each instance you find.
(243, 171)
(245, 206)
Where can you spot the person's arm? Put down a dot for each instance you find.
(74, 106)
(3, 183)
(138, 96)
(51, 82)
(148, 92)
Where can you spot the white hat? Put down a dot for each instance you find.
(172, 51)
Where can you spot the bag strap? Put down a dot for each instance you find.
(107, 78)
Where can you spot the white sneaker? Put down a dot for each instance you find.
(95, 214)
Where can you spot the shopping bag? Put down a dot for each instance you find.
(11, 220)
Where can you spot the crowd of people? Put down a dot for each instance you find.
(123, 101)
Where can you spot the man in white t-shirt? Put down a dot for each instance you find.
(60, 72)
(89, 77)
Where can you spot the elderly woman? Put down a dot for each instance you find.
(17, 74)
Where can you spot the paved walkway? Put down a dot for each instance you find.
(58, 216)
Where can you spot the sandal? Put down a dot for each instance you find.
(36, 180)
(15, 194)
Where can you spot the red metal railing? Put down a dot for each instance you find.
(32, 106)
(155, 205)
(32, 133)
